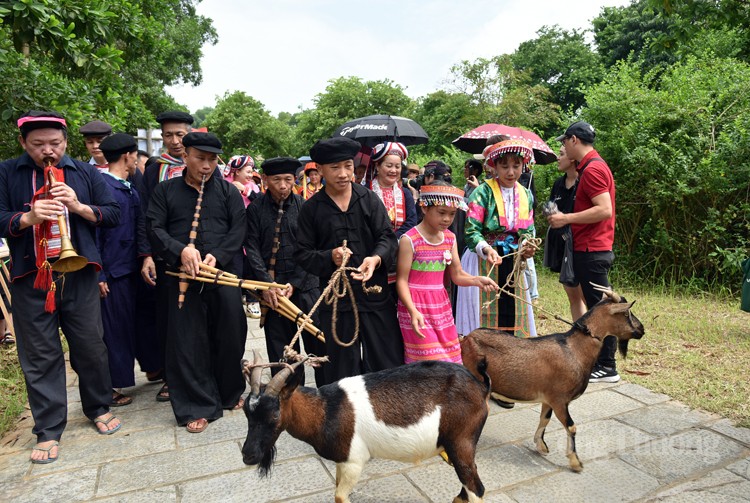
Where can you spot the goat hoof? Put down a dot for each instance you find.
(542, 448)
(575, 464)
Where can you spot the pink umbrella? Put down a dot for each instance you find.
(475, 140)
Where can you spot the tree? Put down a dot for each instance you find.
(102, 59)
(200, 115)
(444, 116)
(348, 98)
(677, 145)
(246, 127)
(561, 61)
(502, 94)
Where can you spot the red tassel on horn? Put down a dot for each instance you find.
(43, 280)
(49, 304)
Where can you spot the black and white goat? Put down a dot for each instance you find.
(408, 413)
(554, 369)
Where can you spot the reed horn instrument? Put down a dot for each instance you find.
(184, 282)
(69, 260)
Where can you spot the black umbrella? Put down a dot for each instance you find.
(374, 129)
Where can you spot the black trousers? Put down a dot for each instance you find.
(378, 347)
(205, 345)
(40, 351)
(118, 318)
(279, 332)
(149, 344)
(593, 267)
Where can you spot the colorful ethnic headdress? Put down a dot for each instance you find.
(518, 147)
(390, 147)
(442, 195)
(238, 162)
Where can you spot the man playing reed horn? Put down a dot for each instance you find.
(34, 214)
(269, 244)
(206, 336)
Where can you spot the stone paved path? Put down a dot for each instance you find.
(636, 445)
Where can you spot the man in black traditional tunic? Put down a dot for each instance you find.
(269, 245)
(351, 213)
(206, 338)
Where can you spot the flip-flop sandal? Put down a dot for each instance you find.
(200, 425)
(120, 400)
(163, 394)
(7, 338)
(239, 405)
(106, 422)
(49, 459)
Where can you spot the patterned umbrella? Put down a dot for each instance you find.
(475, 140)
(374, 129)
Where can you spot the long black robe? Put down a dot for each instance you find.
(367, 230)
(261, 228)
(206, 338)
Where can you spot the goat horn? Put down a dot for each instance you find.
(607, 290)
(279, 380)
(255, 374)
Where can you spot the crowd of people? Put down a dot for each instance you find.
(407, 234)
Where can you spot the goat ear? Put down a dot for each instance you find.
(620, 307)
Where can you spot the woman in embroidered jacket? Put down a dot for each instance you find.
(500, 216)
(398, 202)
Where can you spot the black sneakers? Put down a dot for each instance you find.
(604, 374)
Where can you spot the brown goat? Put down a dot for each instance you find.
(554, 369)
(408, 413)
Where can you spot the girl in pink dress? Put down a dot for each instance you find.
(424, 253)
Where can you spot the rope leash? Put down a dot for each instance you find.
(519, 263)
(337, 288)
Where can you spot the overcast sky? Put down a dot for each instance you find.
(283, 52)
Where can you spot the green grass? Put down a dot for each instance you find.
(13, 395)
(696, 348)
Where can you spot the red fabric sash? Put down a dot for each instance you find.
(46, 239)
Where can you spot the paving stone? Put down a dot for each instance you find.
(600, 405)
(665, 418)
(605, 480)
(593, 440)
(726, 427)
(503, 428)
(168, 468)
(288, 447)
(393, 489)
(287, 480)
(100, 449)
(233, 426)
(641, 394)
(376, 467)
(497, 467)
(497, 497)
(76, 485)
(720, 485)
(741, 468)
(673, 458)
(14, 466)
(156, 495)
(152, 415)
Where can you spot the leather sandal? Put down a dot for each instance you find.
(199, 425)
(120, 400)
(163, 394)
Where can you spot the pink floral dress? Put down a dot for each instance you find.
(428, 293)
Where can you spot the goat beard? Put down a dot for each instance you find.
(264, 467)
(622, 345)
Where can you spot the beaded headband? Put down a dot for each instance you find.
(442, 195)
(518, 147)
(390, 147)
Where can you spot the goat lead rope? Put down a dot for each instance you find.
(511, 280)
(338, 287)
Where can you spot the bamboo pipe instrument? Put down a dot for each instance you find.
(286, 307)
(183, 286)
